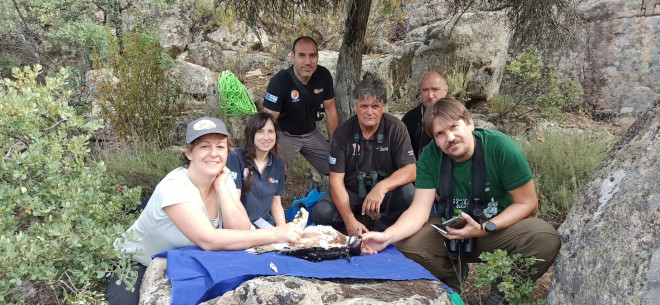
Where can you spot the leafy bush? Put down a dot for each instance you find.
(136, 93)
(59, 214)
(514, 272)
(561, 164)
(531, 87)
(143, 166)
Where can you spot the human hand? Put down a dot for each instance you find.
(221, 178)
(288, 232)
(471, 229)
(371, 203)
(374, 242)
(354, 227)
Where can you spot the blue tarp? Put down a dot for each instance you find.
(198, 276)
(312, 198)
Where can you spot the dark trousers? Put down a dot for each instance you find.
(394, 204)
(118, 295)
(530, 237)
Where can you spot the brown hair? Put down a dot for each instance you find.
(254, 124)
(448, 110)
(183, 159)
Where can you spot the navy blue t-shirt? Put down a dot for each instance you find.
(264, 187)
(297, 113)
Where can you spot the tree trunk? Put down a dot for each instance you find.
(349, 64)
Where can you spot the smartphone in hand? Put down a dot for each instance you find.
(455, 222)
(440, 228)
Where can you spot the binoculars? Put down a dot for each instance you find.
(460, 247)
(365, 182)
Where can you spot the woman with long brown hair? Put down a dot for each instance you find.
(258, 172)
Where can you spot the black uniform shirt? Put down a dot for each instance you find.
(413, 121)
(297, 112)
(367, 154)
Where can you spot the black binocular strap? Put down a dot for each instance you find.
(445, 188)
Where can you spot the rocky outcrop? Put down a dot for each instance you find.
(295, 290)
(239, 38)
(206, 54)
(195, 79)
(173, 29)
(618, 64)
(423, 12)
(155, 287)
(478, 41)
(156, 290)
(611, 255)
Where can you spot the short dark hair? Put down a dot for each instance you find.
(371, 85)
(447, 109)
(295, 42)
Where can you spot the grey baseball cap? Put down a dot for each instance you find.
(204, 125)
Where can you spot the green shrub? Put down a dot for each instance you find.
(143, 166)
(514, 273)
(531, 87)
(137, 93)
(561, 164)
(59, 214)
(458, 80)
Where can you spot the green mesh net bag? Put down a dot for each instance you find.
(233, 96)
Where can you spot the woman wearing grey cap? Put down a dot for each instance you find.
(195, 204)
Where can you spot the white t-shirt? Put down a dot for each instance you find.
(153, 232)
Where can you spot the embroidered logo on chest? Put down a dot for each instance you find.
(295, 96)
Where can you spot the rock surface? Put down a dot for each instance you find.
(611, 255)
(157, 290)
(445, 46)
(618, 64)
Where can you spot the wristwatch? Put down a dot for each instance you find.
(490, 227)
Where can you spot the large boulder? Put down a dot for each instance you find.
(477, 40)
(423, 12)
(239, 38)
(174, 29)
(195, 79)
(618, 63)
(611, 255)
(156, 289)
(206, 54)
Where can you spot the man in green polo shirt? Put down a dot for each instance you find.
(507, 217)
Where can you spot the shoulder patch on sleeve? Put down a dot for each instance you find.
(332, 160)
(271, 97)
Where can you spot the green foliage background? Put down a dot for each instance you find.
(137, 91)
(59, 213)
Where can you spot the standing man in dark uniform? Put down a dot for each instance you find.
(372, 166)
(295, 97)
(432, 88)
